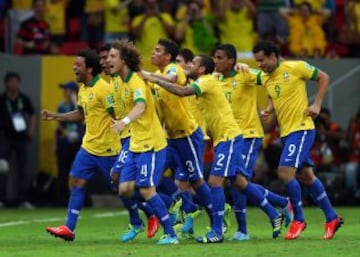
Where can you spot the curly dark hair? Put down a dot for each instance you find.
(91, 60)
(128, 53)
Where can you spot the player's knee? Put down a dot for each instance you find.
(147, 192)
(286, 174)
(126, 190)
(115, 176)
(307, 176)
(240, 182)
(197, 183)
(215, 181)
(78, 182)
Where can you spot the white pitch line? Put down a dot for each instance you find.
(27, 222)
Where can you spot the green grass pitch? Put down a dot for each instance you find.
(22, 234)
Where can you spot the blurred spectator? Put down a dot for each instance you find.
(352, 168)
(67, 142)
(350, 33)
(135, 8)
(307, 37)
(196, 31)
(236, 18)
(270, 24)
(93, 23)
(330, 140)
(55, 17)
(34, 34)
(18, 120)
(117, 20)
(148, 27)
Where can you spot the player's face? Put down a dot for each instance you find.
(194, 68)
(80, 69)
(222, 63)
(114, 61)
(266, 63)
(103, 55)
(158, 56)
(180, 60)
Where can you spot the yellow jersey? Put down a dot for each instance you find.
(175, 112)
(93, 99)
(117, 102)
(241, 92)
(55, 17)
(287, 89)
(151, 32)
(115, 22)
(93, 6)
(196, 113)
(230, 24)
(215, 109)
(22, 5)
(146, 132)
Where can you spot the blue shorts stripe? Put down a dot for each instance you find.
(248, 156)
(194, 152)
(300, 149)
(231, 149)
(153, 159)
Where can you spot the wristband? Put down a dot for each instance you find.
(126, 120)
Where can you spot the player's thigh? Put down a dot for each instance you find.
(104, 166)
(84, 165)
(296, 149)
(250, 153)
(129, 170)
(150, 166)
(227, 162)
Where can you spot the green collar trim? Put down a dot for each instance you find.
(93, 81)
(128, 76)
(233, 73)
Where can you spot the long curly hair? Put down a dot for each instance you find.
(128, 54)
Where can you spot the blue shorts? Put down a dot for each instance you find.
(187, 154)
(144, 168)
(296, 149)
(227, 162)
(250, 153)
(119, 163)
(85, 165)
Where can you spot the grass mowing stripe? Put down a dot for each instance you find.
(26, 222)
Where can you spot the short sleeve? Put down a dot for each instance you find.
(139, 92)
(167, 18)
(306, 70)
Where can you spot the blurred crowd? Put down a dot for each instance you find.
(314, 28)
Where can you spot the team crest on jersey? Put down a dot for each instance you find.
(309, 66)
(286, 76)
(137, 93)
(126, 92)
(234, 83)
(116, 86)
(91, 96)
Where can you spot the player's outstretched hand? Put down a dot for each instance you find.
(48, 115)
(312, 111)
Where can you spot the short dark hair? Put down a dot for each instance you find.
(187, 54)
(268, 47)
(208, 63)
(170, 47)
(10, 75)
(229, 50)
(128, 53)
(105, 47)
(91, 60)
